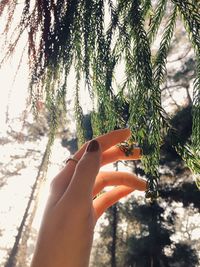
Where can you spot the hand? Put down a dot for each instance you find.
(66, 233)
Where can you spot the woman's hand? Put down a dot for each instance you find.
(66, 233)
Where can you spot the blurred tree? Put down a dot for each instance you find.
(145, 231)
(183, 256)
(145, 236)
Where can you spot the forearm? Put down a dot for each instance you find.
(61, 257)
(63, 248)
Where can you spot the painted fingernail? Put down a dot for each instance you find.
(93, 146)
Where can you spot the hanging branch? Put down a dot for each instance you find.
(196, 108)
(156, 19)
(3, 5)
(191, 18)
(159, 64)
(103, 65)
(81, 131)
(89, 37)
(191, 153)
(144, 117)
(146, 8)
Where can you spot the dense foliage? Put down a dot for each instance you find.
(94, 38)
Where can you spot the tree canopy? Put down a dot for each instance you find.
(94, 38)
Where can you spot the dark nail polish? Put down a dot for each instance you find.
(93, 146)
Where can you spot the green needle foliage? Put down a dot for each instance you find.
(190, 14)
(93, 38)
(156, 19)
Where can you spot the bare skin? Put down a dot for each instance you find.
(66, 232)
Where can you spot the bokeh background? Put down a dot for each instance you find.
(133, 232)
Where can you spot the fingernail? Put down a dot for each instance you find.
(93, 146)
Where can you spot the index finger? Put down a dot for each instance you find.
(107, 140)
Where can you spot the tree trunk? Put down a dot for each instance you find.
(114, 222)
(114, 235)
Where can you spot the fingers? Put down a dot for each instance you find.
(62, 180)
(107, 140)
(115, 153)
(82, 182)
(118, 178)
(107, 199)
(127, 182)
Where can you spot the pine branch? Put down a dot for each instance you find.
(191, 18)
(190, 14)
(103, 66)
(156, 19)
(159, 65)
(192, 159)
(144, 118)
(10, 15)
(3, 5)
(80, 130)
(146, 8)
(196, 108)
(105, 108)
(89, 39)
(96, 126)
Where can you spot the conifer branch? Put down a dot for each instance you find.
(144, 118)
(196, 108)
(190, 14)
(191, 18)
(156, 19)
(159, 64)
(191, 158)
(146, 8)
(80, 130)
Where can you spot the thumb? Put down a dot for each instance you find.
(86, 171)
